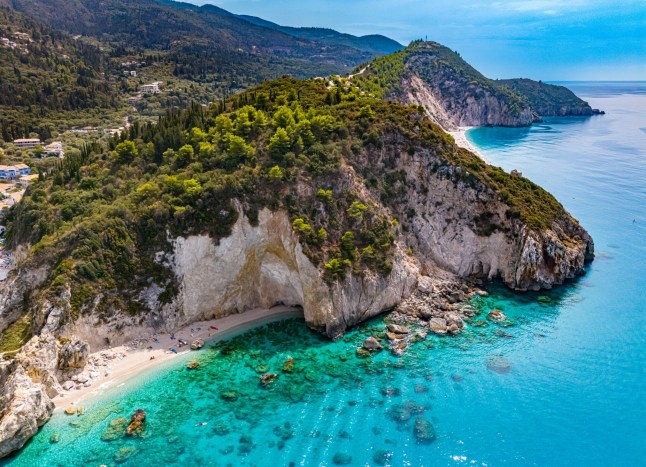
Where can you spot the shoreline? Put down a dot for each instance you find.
(460, 137)
(124, 362)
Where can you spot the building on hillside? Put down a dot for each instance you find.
(133, 100)
(11, 172)
(55, 149)
(28, 143)
(152, 88)
(27, 180)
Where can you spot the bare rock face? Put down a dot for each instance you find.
(73, 355)
(265, 265)
(25, 404)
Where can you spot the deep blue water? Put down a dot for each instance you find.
(575, 395)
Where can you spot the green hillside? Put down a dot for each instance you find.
(44, 74)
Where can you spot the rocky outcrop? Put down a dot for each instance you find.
(462, 226)
(454, 94)
(73, 355)
(24, 407)
(264, 265)
(29, 383)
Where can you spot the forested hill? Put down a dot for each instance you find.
(43, 71)
(456, 94)
(200, 32)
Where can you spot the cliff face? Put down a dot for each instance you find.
(453, 99)
(264, 265)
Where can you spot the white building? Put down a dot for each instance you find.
(152, 88)
(55, 149)
(29, 143)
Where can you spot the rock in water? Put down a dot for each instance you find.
(55, 438)
(499, 364)
(268, 378)
(424, 431)
(137, 423)
(382, 457)
(193, 365)
(70, 411)
(438, 325)
(288, 366)
(372, 344)
(197, 344)
(397, 329)
(73, 355)
(342, 458)
(496, 315)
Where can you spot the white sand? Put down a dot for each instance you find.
(129, 362)
(460, 137)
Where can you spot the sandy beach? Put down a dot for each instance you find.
(125, 362)
(460, 137)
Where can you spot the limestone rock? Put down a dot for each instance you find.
(115, 430)
(372, 344)
(397, 329)
(73, 355)
(197, 344)
(193, 365)
(137, 423)
(24, 407)
(496, 315)
(438, 325)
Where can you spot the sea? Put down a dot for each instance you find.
(561, 382)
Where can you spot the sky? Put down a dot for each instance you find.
(551, 40)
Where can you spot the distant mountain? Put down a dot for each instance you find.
(454, 93)
(371, 43)
(206, 31)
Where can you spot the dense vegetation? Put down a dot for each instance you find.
(44, 73)
(99, 217)
(547, 99)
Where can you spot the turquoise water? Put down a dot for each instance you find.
(575, 393)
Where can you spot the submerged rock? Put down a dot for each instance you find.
(55, 438)
(116, 429)
(424, 431)
(342, 458)
(125, 453)
(137, 423)
(230, 396)
(499, 364)
(382, 457)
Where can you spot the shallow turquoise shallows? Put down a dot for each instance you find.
(574, 395)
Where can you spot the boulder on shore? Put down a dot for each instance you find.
(73, 355)
(197, 344)
(438, 325)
